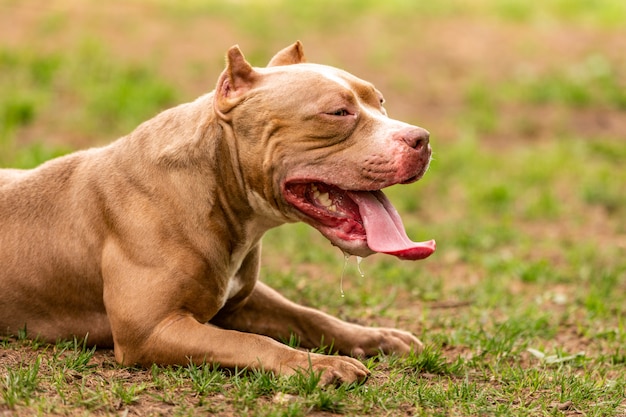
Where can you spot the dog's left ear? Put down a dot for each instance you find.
(236, 80)
(293, 54)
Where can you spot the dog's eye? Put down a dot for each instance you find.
(340, 113)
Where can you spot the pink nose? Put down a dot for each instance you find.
(415, 137)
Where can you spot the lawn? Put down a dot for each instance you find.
(521, 308)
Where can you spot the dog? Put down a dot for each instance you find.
(151, 244)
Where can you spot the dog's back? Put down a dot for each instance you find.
(9, 175)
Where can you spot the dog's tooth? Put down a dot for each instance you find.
(333, 208)
(324, 199)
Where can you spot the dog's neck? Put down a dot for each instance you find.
(199, 154)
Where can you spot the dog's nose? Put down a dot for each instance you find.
(416, 137)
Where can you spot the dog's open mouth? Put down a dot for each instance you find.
(356, 218)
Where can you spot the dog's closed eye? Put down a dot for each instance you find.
(340, 113)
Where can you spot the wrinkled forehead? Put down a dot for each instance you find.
(323, 75)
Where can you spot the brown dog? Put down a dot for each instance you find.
(152, 244)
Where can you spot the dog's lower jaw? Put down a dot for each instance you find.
(353, 246)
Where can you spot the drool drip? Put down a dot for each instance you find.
(343, 271)
(359, 259)
(346, 258)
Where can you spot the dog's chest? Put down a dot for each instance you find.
(243, 271)
(234, 285)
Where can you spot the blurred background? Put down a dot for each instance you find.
(525, 102)
(504, 72)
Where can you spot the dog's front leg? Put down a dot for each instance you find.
(158, 315)
(180, 339)
(267, 312)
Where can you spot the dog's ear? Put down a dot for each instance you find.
(236, 80)
(293, 54)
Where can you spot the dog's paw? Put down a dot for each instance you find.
(332, 370)
(370, 341)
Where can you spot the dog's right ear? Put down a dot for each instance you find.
(293, 54)
(236, 80)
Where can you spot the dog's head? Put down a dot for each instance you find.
(315, 144)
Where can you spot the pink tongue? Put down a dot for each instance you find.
(384, 228)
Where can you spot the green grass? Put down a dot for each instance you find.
(521, 307)
(496, 382)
